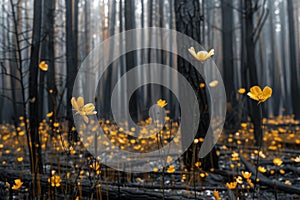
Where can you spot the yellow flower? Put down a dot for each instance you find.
(262, 169)
(171, 169)
(95, 166)
(201, 55)
(277, 161)
(202, 85)
(260, 95)
(246, 175)
(297, 159)
(83, 110)
(231, 185)
(216, 195)
(55, 181)
(161, 103)
(50, 114)
(213, 83)
(250, 182)
(43, 66)
(20, 159)
(239, 180)
(17, 185)
(242, 90)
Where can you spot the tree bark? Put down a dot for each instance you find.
(295, 82)
(249, 66)
(71, 45)
(36, 160)
(188, 22)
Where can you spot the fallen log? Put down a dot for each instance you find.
(263, 180)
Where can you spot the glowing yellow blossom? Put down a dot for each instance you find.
(83, 110)
(246, 175)
(198, 164)
(20, 159)
(56, 124)
(250, 182)
(231, 185)
(17, 185)
(171, 169)
(213, 83)
(161, 103)
(43, 66)
(297, 159)
(201, 55)
(55, 181)
(277, 161)
(216, 195)
(244, 125)
(241, 90)
(260, 95)
(262, 169)
(155, 169)
(50, 114)
(288, 182)
(239, 180)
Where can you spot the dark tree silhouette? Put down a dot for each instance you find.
(188, 22)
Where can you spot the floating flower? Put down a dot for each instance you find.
(260, 95)
(239, 180)
(202, 85)
(83, 110)
(43, 66)
(55, 181)
(288, 182)
(20, 159)
(201, 55)
(250, 182)
(277, 161)
(216, 195)
(241, 90)
(246, 175)
(262, 169)
(161, 103)
(231, 185)
(213, 83)
(297, 159)
(17, 185)
(171, 169)
(50, 114)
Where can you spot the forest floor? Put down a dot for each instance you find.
(81, 177)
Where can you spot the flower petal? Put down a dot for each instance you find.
(193, 52)
(267, 92)
(253, 96)
(255, 90)
(88, 108)
(74, 104)
(80, 102)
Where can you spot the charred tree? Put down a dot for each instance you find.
(71, 46)
(293, 60)
(36, 157)
(188, 20)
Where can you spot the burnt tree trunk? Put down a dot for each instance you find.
(71, 45)
(250, 67)
(232, 117)
(36, 158)
(293, 61)
(188, 22)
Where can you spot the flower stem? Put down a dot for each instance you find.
(260, 142)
